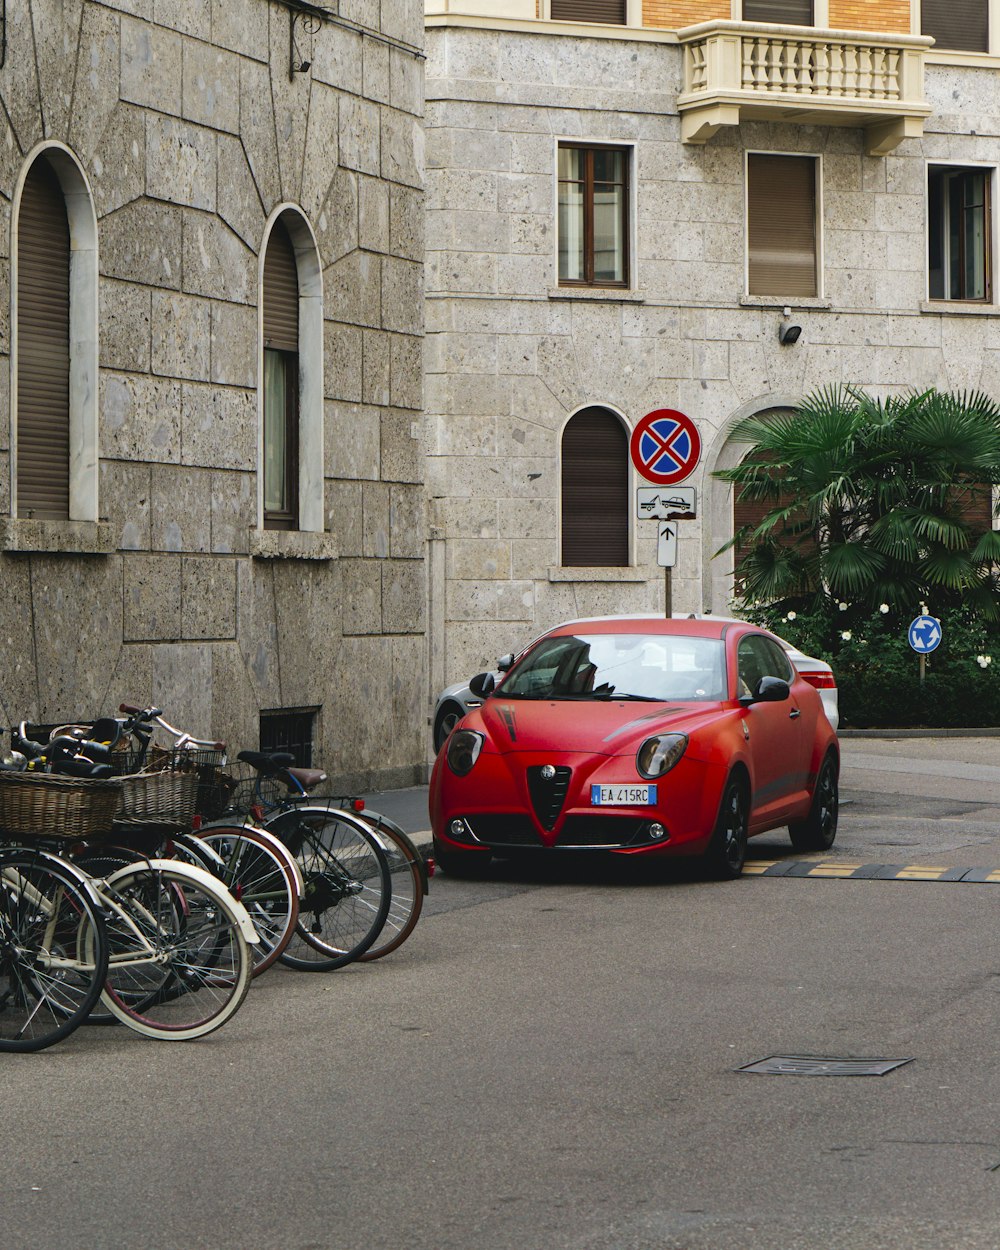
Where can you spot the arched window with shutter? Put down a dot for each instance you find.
(595, 511)
(291, 376)
(54, 341)
(281, 374)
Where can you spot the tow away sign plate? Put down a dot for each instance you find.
(665, 503)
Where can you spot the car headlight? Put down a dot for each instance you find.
(658, 755)
(464, 746)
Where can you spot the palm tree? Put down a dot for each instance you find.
(869, 499)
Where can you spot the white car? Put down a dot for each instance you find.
(454, 701)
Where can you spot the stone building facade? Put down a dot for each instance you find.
(183, 137)
(690, 97)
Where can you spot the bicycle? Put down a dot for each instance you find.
(348, 883)
(253, 864)
(171, 942)
(53, 949)
(274, 791)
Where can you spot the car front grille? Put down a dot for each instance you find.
(512, 829)
(504, 829)
(548, 796)
(604, 831)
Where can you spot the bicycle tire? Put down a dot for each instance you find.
(348, 886)
(262, 881)
(47, 908)
(191, 935)
(409, 885)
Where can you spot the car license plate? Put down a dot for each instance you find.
(622, 796)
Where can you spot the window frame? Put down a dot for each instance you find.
(84, 321)
(627, 149)
(629, 490)
(818, 218)
(285, 518)
(992, 19)
(989, 234)
(309, 381)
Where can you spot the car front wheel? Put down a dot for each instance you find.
(819, 829)
(727, 851)
(447, 719)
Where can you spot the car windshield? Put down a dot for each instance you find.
(654, 667)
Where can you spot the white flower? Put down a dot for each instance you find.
(984, 661)
(846, 635)
(790, 616)
(843, 607)
(923, 609)
(883, 608)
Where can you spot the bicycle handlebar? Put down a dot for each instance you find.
(184, 740)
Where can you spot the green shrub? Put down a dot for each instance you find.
(878, 673)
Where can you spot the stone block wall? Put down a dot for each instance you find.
(190, 131)
(510, 356)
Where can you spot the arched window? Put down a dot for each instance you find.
(281, 382)
(291, 386)
(595, 511)
(54, 343)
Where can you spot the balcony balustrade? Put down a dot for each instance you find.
(745, 71)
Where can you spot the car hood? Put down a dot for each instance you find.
(599, 726)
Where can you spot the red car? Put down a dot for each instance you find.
(642, 736)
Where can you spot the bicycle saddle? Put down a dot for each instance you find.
(267, 762)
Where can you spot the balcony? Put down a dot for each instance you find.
(750, 71)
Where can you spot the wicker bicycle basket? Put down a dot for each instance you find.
(166, 796)
(41, 805)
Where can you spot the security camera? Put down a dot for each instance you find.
(788, 334)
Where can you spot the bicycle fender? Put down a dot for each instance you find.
(85, 882)
(200, 877)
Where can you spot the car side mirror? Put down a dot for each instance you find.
(483, 684)
(505, 661)
(769, 690)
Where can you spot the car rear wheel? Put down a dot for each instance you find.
(727, 851)
(819, 829)
(447, 719)
(466, 865)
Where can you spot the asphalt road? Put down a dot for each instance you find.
(551, 1062)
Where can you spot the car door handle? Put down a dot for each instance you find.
(794, 713)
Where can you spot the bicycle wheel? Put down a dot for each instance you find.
(347, 886)
(409, 885)
(260, 878)
(180, 964)
(53, 950)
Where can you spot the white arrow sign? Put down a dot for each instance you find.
(924, 634)
(666, 547)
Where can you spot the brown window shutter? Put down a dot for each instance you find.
(781, 212)
(609, 11)
(960, 25)
(43, 347)
(974, 505)
(780, 12)
(281, 292)
(595, 490)
(748, 514)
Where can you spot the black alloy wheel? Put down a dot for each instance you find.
(727, 851)
(819, 829)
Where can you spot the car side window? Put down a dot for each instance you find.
(779, 664)
(749, 665)
(760, 657)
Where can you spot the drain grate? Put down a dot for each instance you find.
(822, 1065)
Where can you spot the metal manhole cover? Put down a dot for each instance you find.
(822, 1065)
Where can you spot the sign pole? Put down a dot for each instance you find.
(923, 668)
(668, 604)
